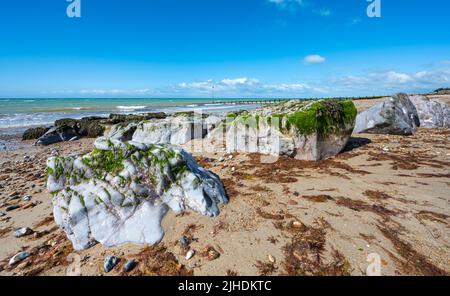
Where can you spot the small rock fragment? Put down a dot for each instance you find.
(12, 208)
(22, 232)
(297, 224)
(110, 262)
(190, 254)
(184, 241)
(18, 257)
(2, 214)
(271, 259)
(26, 198)
(130, 265)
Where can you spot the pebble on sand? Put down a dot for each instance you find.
(110, 263)
(23, 231)
(190, 254)
(12, 208)
(130, 265)
(26, 198)
(18, 257)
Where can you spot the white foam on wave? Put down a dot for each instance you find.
(131, 107)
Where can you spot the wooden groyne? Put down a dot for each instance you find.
(274, 101)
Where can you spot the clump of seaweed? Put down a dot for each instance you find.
(317, 198)
(265, 268)
(413, 263)
(304, 254)
(266, 215)
(157, 261)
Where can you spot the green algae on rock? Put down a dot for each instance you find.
(120, 191)
(306, 130)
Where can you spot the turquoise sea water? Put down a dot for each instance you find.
(18, 114)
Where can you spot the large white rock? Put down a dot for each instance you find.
(304, 130)
(175, 130)
(432, 114)
(120, 192)
(396, 116)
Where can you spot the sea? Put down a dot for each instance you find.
(16, 115)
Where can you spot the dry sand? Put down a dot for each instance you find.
(389, 195)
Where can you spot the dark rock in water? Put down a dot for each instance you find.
(12, 208)
(130, 265)
(110, 263)
(118, 118)
(67, 122)
(395, 116)
(58, 134)
(92, 126)
(87, 126)
(34, 133)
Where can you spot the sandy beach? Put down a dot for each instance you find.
(385, 195)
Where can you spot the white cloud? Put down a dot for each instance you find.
(314, 59)
(323, 12)
(287, 3)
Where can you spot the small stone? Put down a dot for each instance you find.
(130, 265)
(184, 241)
(22, 232)
(19, 257)
(230, 157)
(233, 169)
(110, 262)
(2, 214)
(26, 198)
(297, 224)
(12, 208)
(221, 159)
(271, 259)
(190, 254)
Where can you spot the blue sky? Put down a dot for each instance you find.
(242, 48)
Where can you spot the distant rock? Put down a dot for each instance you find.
(120, 118)
(34, 133)
(432, 114)
(395, 116)
(175, 130)
(58, 134)
(305, 130)
(119, 193)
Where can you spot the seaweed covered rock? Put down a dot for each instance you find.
(34, 133)
(175, 130)
(395, 116)
(304, 130)
(432, 114)
(120, 192)
(120, 118)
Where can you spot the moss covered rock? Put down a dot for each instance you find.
(304, 130)
(120, 191)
